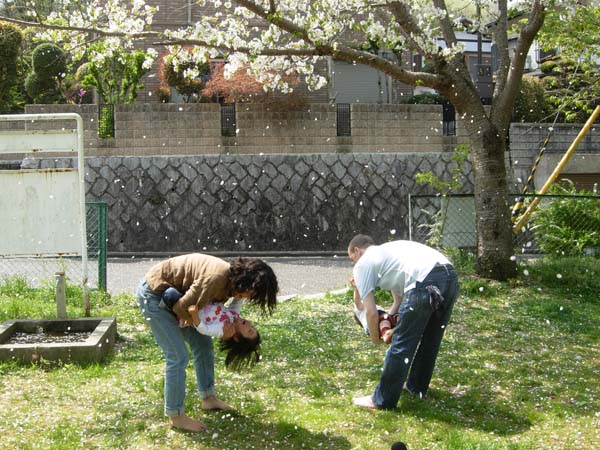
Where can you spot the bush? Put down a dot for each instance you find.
(531, 104)
(40, 89)
(191, 90)
(568, 226)
(49, 61)
(426, 98)
(548, 67)
(163, 93)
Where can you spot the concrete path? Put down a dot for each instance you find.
(297, 276)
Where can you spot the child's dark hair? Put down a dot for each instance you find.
(253, 274)
(242, 353)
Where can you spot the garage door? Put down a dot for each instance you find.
(358, 84)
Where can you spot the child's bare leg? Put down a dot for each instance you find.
(187, 423)
(213, 402)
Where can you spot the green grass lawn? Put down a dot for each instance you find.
(519, 368)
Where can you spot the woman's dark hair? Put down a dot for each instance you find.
(252, 274)
(242, 353)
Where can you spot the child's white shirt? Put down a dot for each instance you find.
(213, 317)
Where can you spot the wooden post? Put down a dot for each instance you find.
(61, 297)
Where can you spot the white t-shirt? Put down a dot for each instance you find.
(395, 266)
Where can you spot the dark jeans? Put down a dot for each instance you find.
(417, 339)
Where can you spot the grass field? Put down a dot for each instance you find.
(519, 368)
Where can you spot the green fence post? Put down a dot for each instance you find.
(102, 245)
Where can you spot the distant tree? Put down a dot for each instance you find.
(116, 76)
(11, 39)
(49, 61)
(571, 78)
(24, 9)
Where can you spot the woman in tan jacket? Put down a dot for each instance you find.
(201, 279)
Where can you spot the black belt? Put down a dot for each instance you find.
(439, 267)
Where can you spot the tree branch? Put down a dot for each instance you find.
(343, 53)
(98, 31)
(447, 28)
(407, 25)
(284, 24)
(505, 101)
(501, 38)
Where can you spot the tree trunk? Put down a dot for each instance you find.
(494, 230)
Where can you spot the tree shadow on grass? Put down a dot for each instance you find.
(475, 409)
(234, 430)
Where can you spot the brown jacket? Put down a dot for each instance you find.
(201, 278)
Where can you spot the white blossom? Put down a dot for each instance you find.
(233, 33)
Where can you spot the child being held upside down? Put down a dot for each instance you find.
(387, 322)
(238, 336)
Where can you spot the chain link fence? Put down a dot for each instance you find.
(563, 225)
(40, 270)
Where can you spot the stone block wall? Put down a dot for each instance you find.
(254, 203)
(526, 140)
(167, 128)
(399, 128)
(88, 113)
(195, 129)
(264, 129)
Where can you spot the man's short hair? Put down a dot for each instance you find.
(361, 241)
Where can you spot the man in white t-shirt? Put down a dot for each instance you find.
(424, 287)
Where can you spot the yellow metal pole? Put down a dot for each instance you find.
(563, 162)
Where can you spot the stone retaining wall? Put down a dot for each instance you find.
(254, 203)
(185, 200)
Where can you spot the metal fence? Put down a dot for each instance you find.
(228, 120)
(39, 270)
(561, 224)
(343, 119)
(449, 119)
(106, 121)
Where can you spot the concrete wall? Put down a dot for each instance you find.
(526, 140)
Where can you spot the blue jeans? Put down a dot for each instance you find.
(417, 339)
(171, 339)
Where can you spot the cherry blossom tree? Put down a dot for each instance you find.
(272, 38)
